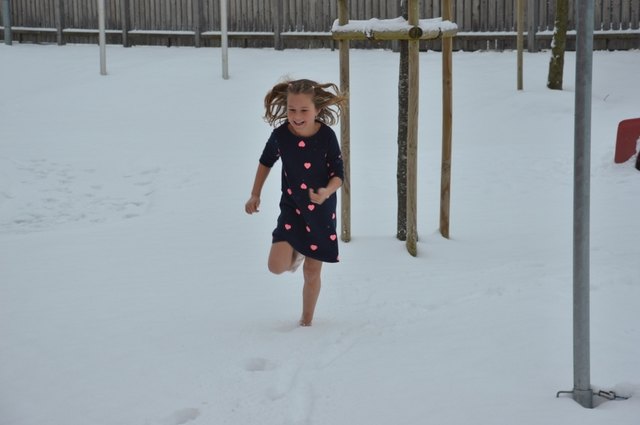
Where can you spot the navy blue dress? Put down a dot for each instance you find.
(307, 163)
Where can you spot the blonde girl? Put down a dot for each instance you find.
(301, 112)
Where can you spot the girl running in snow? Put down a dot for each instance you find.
(312, 172)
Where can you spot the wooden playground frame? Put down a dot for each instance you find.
(413, 30)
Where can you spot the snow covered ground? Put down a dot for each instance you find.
(134, 289)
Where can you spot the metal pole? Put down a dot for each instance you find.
(520, 40)
(224, 39)
(582, 392)
(102, 38)
(6, 22)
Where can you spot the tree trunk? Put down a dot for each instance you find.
(556, 65)
(403, 108)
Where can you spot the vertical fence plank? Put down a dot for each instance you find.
(152, 22)
(532, 26)
(258, 24)
(459, 13)
(468, 12)
(500, 17)
(605, 10)
(277, 12)
(427, 10)
(176, 17)
(329, 17)
(625, 14)
(140, 15)
(483, 15)
(438, 9)
(31, 13)
(508, 15)
(113, 14)
(286, 23)
(476, 19)
(615, 15)
(75, 14)
(492, 23)
(597, 12)
(571, 22)
(144, 12)
(234, 22)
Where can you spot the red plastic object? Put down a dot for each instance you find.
(628, 135)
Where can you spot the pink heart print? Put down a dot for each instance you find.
(303, 186)
(308, 229)
(302, 144)
(313, 247)
(307, 165)
(311, 207)
(287, 226)
(332, 237)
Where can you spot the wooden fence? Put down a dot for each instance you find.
(301, 23)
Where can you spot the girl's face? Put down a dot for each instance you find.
(301, 113)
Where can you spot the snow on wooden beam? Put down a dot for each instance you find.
(393, 29)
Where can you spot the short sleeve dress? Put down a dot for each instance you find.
(307, 163)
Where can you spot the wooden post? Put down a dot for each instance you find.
(412, 134)
(59, 16)
(345, 146)
(125, 15)
(520, 41)
(447, 114)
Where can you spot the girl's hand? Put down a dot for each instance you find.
(320, 195)
(252, 205)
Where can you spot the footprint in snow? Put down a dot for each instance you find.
(258, 364)
(181, 416)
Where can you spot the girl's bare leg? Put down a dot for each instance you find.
(281, 257)
(311, 290)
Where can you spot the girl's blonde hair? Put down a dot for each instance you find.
(327, 98)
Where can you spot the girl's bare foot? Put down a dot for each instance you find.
(305, 323)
